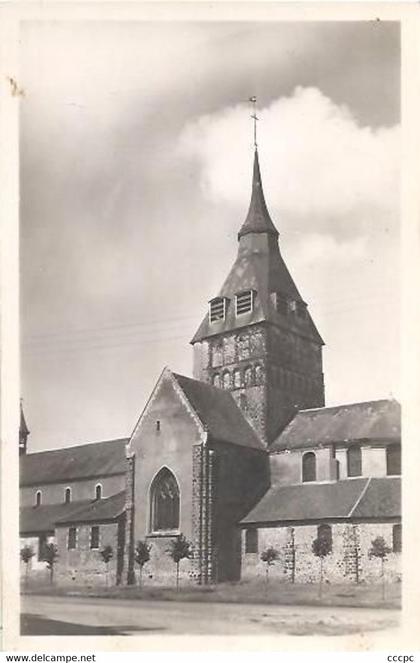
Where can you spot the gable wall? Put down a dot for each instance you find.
(171, 446)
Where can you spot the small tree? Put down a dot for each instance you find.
(269, 556)
(380, 550)
(26, 555)
(321, 547)
(107, 554)
(142, 556)
(50, 556)
(179, 549)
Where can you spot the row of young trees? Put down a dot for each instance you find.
(322, 547)
(178, 550)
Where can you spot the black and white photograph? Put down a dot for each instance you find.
(210, 291)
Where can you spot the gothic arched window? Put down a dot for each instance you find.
(38, 498)
(236, 378)
(216, 380)
(217, 359)
(226, 380)
(309, 466)
(98, 491)
(67, 496)
(244, 349)
(393, 459)
(164, 501)
(259, 376)
(354, 461)
(248, 376)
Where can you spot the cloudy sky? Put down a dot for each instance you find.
(136, 157)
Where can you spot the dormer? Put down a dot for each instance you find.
(217, 309)
(244, 302)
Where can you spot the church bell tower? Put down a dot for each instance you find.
(258, 339)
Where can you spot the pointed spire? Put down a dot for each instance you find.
(258, 218)
(23, 431)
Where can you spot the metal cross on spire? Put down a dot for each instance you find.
(253, 101)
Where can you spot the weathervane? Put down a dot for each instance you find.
(253, 101)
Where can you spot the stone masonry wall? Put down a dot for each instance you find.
(161, 569)
(84, 566)
(237, 362)
(348, 562)
(270, 371)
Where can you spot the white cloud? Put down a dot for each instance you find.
(325, 247)
(316, 160)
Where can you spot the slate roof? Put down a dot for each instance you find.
(72, 463)
(258, 218)
(218, 412)
(43, 518)
(35, 519)
(259, 266)
(108, 508)
(371, 420)
(23, 428)
(342, 500)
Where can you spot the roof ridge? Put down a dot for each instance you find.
(340, 405)
(206, 384)
(76, 446)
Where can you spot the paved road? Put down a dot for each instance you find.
(54, 615)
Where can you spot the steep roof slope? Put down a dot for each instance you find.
(108, 508)
(72, 463)
(347, 499)
(219, 413)
(377, 420)
(36, 519)
(259, 266)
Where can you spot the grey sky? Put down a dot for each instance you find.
(136, 154)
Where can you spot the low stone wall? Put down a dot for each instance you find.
(348, 561)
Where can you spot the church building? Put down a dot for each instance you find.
(241, 457)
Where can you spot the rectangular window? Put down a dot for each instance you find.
(217, 309)
(42, 542)
(251, 541)
(72, 538)
(244, 302)
(94, 537)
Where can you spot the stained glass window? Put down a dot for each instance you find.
(164, 502)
